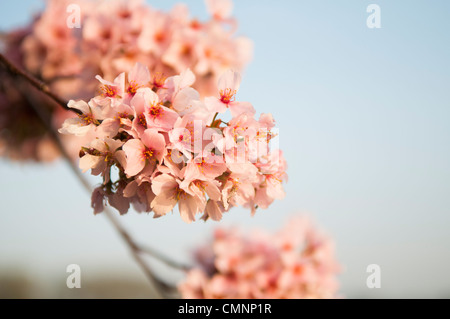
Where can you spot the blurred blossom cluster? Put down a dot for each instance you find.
(113, 36)
(168, 146)
(297, 262)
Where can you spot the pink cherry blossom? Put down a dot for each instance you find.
(186, 133)
(139, 123)
(168, 193)
(138, 77)
(228, 86)
(111, 91)
(144, 152)
(237, 191)
(118, 119)
(140, 194)
(272, 174)
(87, 120)
(156, 114)
(100, 156)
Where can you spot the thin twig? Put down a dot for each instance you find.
(171, 263)
(161, 288)
(125, 236)
(214, 119)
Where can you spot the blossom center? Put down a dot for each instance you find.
(132, 88)
(88, 119)
(123, 115)
(148, 153)
(109, 90)
(180, 194)
(200, 185)
(298, 269)
(159, 36)
(273, 177)
(142, 120)
(234, 188)
(155, 111)
(158, 80)
(208, 53)
(227, 95)
(186, 50)
(195, 24)
(108, 157)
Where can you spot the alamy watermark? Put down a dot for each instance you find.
(374, 279)
(374, 19)
(74, 279)
(74, 18)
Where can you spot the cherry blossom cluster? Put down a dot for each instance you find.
(157, 143)
(112, 36)
(296, 263)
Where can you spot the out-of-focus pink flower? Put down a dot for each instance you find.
(296, 263)
(220, 9)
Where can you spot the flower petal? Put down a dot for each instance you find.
(139, 74)
(135, 161)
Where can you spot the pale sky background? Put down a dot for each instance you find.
(364, 120)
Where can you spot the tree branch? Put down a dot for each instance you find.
(161, 288)
(41, 86)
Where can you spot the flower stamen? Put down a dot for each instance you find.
(158, 80)
(155, 111)
(109, 91)
(227, 96)
(148, 154)
(142, 120)
(132, 88)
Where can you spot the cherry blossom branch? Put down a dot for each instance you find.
(161, 288)
(171, 263)
(214, 119)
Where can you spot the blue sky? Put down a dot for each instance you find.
(364, 124)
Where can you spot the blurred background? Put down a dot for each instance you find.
(364, 125)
